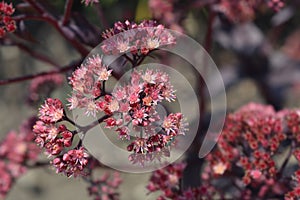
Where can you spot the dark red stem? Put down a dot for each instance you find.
(207, 46)
(101, 15)
(65, 31)
(67, 14)
(194, 164)
(29, 77)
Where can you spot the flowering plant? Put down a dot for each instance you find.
(139, 107)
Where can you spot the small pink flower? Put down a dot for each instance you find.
(139, 115)
(91, 108)
(255, 174)
(51, 111)
(73, 102)
(104, 74)
(219, 168)
(149, 76)
(122, 45)
(174, 124)
(113, 106)
(119, 93)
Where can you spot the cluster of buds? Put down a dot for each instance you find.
(245, 158)
(105, 187)
(71, 163)
(14, 161)
(261, 131)
(167, 180)
(56, 138)
(157, 145)
(293, 123)
(248, 146)
(7, 24)
(139, 39)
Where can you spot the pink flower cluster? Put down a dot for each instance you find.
(138, 39)
(201, 192)
(245, 159)
(132, 105)
(167, 180)
(262, 132)
(293, 123)
(52, 111)
(136, 102)
(157, 145)
(134, 110)
(86, 82)
(150, 154)
(295, 193)
(7, 24)
(56, 138)
(252, 139)
(14, 161)
(71, 163)
(105, 187)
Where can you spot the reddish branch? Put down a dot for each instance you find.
(67, 14)
(207, 47)
(29, 77)
(65, 31)
(100, 13)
